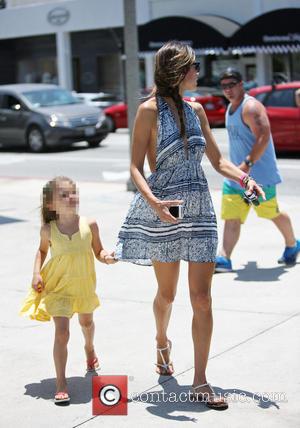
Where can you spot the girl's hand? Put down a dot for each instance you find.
(162, 210)
(252, 185)
(37, 283)
(109, 259)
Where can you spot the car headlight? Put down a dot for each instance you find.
(54, 121)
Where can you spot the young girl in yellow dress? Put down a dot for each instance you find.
(66, 284)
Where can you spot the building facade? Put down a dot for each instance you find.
(79, 43)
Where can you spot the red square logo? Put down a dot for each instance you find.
(110, 395)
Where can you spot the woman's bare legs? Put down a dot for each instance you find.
(167, 277)
(200, 277)
(88, 329)
(60, 351)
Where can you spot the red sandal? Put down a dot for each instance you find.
(92, 365)
(61, 397)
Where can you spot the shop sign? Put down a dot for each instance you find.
(292, 37)
(159, 44)
(58, 16)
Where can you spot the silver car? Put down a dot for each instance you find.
(40, 116)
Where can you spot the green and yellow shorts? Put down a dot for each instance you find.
(234, 207)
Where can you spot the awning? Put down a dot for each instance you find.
(200, 36)
(273, 32)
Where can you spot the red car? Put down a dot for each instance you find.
(214, 106)
(282, 103)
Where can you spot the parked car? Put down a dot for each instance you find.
(97, 99)
(283, 112)
(41, 116)
(214, 106)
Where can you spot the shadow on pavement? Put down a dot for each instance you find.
(175, 398)
(252, 273)
(5, 220)
(79, 389)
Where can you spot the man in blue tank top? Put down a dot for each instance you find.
(251, 149)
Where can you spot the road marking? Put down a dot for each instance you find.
(10, 160)
(4, 161)
(115, 176)
(18, 159)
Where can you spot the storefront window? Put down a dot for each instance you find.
(43, 70)
(296, 66)
(108, 73)
(280, 68)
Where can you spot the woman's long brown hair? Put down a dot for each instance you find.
(172, 62)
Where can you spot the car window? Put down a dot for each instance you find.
(281, 98)
(261, 96)
(9, 101)
(50, 97)
(1, 99)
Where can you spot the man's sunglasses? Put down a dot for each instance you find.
(197, 66)
(230, 85)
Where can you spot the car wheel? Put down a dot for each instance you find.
(94, 143)
(111, 124)
(36, 140)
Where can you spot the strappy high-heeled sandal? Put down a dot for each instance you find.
(204, 397)
(165, 369)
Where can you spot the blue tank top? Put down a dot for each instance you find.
(241, 141)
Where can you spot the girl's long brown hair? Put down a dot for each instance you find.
(53, 185)
(172, 62)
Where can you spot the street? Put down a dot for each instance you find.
(110, 163)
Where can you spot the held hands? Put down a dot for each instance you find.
(162, 210)
(107, 258)
(37, 283)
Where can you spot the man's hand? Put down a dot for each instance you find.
(244, 167)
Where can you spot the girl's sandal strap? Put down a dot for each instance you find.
(91, 364)
(61, 397)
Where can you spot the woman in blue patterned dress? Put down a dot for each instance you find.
(174, 135)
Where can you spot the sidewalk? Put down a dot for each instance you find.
(255, 349)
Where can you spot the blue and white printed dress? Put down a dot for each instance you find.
(144, 238)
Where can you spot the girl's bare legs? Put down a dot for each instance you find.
(88, 329)
(200, 276)
(60, 352)
(167, 277)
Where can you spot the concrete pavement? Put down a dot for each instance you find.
(255, 348)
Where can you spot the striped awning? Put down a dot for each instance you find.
(274, 49)
(276, 32)
(203, 38)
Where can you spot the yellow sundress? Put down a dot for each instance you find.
(69, 277)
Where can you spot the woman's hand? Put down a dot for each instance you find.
(37, 282)
(162, 210)
(253, 186)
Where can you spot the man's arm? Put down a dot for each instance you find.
(255, 116)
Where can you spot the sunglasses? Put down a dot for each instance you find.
(197, 66)
(230, 85)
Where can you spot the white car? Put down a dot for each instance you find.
(100, 99)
